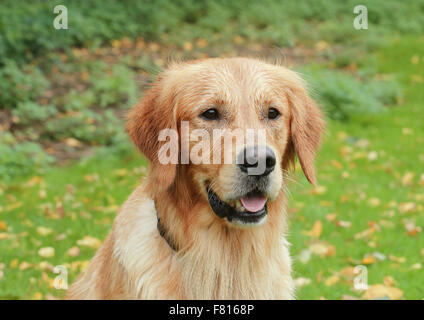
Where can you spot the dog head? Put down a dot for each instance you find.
(230, 128)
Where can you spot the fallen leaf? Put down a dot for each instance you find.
(368, 259)
(316, 230)
(304, 256)
(348, 273)
(343, 224)
(407, 179)
(389, 281)
(397, 259)
(318, 190)
(43, 231)
(331, 216)
(73, 252)
(38, 296)
(46, 252)
(416, 266)
(378, 291)
(90, 242)
(365, 234)
(72, 142)
(188, 46)
(411, 228)
(373, 155)
(374, 202)
(3, 226)
(301, 282)
(14, 263)
(362, 143)
(331, 281)
(322, 249)
(24, 266)
(406, 207)
(42, 194)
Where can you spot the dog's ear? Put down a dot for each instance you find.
(307, 126)
(144, 123)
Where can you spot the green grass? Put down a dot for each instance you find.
(81, 200)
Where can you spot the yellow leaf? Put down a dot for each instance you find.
(365, 234)
(415, 59)
(318, 190)
(188, 46)
(33, 181)
(389, 281)
(368, 259)
(90, 242)
(72, 142)
(332, 280)
(3, 226)
(374, 202)
(42, 194)
(416, 266)
(24, 266)
(344, 224)
(331, 216)
(38, 296)
(201, 43)
(377, 291)
(322, 248)
(300, 282)
(120, 172)
(4, 235)
(46, 252)
(348, 273)
(73, 252)
(321, 45)
(14, 263)
(406, 207)
(315, 231)
(43, 231)
(407, 179)
(397, 259)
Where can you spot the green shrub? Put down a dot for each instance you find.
(86, 126)
(18, 159)
(343, 96)
(27, 30)
(28, 112)
(20, 84)
(116, 88)
(77, 101)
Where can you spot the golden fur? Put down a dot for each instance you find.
(216, 260)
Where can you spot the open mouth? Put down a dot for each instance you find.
(248, 209)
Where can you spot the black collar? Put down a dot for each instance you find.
(166, 236)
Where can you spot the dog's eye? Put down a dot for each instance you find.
(210, 114)
(273, 113)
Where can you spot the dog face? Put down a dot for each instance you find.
(239, 123)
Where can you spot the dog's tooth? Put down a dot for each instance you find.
(239, 206)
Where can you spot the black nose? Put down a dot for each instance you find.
(261, 160)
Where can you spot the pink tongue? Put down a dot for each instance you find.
(253, 204)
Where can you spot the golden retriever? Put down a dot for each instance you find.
(209, 230)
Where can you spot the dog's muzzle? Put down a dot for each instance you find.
(248, 210)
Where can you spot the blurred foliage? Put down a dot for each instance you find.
(27, 30)
(28, 112)
(20, 84)
(343, 96)
(56, 86)
(20, 158)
